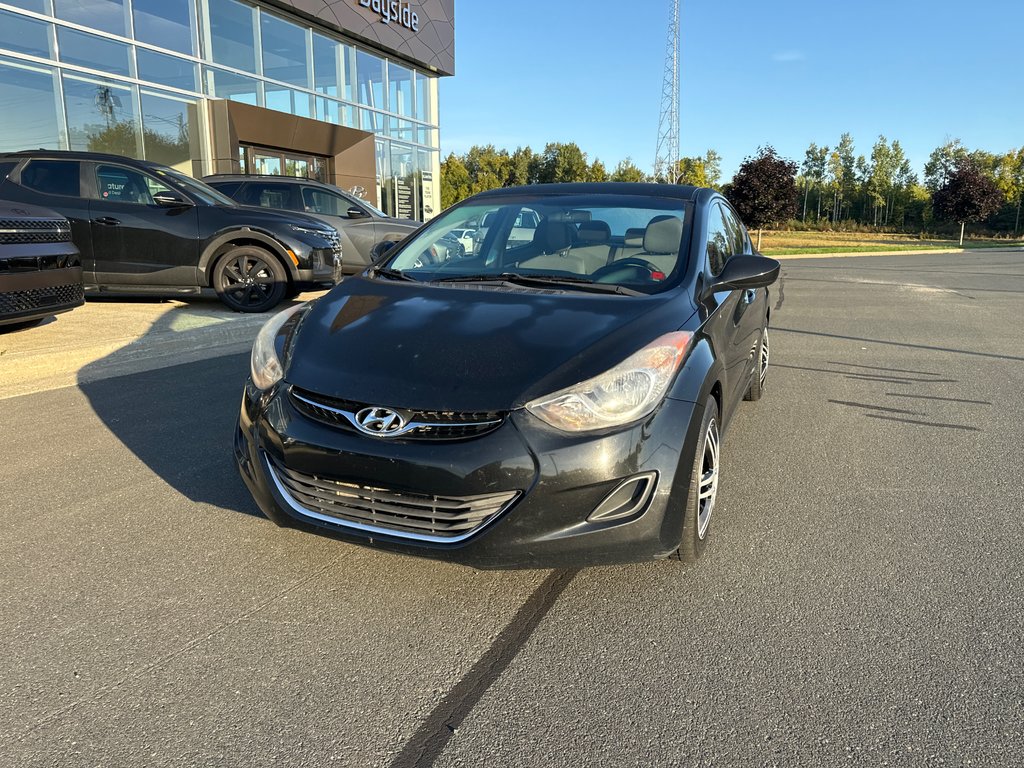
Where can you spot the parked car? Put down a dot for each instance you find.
(362, 226)
(40, 269)
(523, 229)
(465, 237)
(144, 228)
(555, 403)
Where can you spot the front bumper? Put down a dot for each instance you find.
(558, 479)
(321, 269)
(30, 295)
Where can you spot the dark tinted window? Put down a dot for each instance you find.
(5, 169)
(227, 187)
(266, 195)
(51, 177)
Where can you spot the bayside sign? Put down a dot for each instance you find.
(393, 10)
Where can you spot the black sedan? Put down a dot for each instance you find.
(551, 403)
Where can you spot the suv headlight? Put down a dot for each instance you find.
(265, 365)
(627, 392)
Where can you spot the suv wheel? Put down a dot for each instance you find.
(250, 279)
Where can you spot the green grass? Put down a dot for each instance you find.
(786, 243)
(811, 249)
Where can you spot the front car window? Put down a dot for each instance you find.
(204, 192)
(324, 202)
(118, 184)
(581, 238)
(719, 240)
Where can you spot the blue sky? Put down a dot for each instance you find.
(752, 73)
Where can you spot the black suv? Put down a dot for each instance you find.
(144, 228)
(40, 271)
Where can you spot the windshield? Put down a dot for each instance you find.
(558, 241)
(204, 192)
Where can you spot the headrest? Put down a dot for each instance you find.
(553, 236)
(594, 232)
(634, 237)
(663, 235)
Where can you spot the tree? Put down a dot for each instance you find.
(627, 170)
(597, 172)
(764, 190)
(813, 169)
(562, 163)
(703, 171)
(1010, 179)
(941, 163)
(969, 195)
(523, 167)
(455, 181)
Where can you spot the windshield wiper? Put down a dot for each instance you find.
(542, 281)
(393, 274)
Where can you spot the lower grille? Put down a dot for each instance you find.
(14, 302)
(438, 519)
(34, 231)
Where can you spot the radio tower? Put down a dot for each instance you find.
(667, 154)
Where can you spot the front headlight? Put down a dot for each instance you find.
(265, 365)
(324, 234)
(629, 391)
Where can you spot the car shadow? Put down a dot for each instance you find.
(177, 419)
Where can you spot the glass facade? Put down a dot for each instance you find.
(119, 76)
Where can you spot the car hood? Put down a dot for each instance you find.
(467, 348)
(12, 210)
(258, 216)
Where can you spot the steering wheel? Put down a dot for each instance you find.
(632, 261)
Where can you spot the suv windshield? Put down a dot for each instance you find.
(204, 192)
(563, 242)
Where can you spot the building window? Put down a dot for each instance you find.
(31, 89)
(284, 51)
(287, 100)
(231, 34)
(166, 23)
(424, 111)
(24, 35)
(166, 70)
(102, 15)
(94, 52)
(39, 6)
(228, 85)
(101, 116)
(400, 89)
(370, 79)
(165, 130)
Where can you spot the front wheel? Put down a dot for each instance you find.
(250, 279)
(700, 501)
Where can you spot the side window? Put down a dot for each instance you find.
(5, 169)
(126, 185)
(52, 177)
(267, 195)
(226, 187)
(719, 241)
(320, 201)
(735, 230)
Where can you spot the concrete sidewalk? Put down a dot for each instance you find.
(108, 338)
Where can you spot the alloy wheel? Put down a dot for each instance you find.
(708, 479)
(248, 280)
(765, 353)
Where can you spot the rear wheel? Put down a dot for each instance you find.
(760, 375)
(250, 279)
(700, 501)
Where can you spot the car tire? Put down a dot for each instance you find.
(250, 279)
(703, 492)
(757, 379)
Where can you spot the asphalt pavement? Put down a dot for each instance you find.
(861, 601)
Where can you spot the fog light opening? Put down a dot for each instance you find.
(628, 498)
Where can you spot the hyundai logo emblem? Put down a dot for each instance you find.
(379, 422)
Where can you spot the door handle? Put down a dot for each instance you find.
(749, 295)
(107, 221)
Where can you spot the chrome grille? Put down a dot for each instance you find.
(440, 519)
(14, 231)
(13, 302)
(429, 425)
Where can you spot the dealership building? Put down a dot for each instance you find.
(345, 91)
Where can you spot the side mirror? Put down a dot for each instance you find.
(381, 249)
(744, 273)
(355, 212)
(171, 200)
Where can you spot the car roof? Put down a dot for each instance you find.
(64, 154)
(260, 176)
(598, 188)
